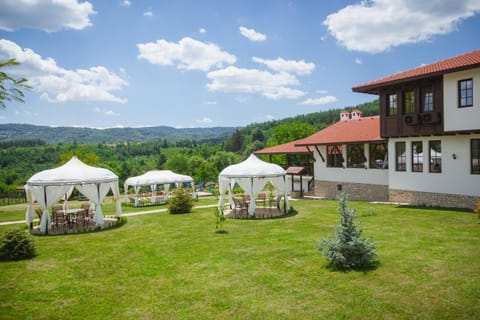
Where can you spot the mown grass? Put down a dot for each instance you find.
(162, 266)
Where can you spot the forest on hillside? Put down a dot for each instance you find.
(201, 159)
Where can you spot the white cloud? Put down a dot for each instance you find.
(57, 84)
(111, 113)
(358, 61)
(205, 120)
(290, 66)
(269, 117)
(46, 15)
(126, 3)
(187, 54)
(202, 30)
(148, 14)
(270, 85)
(377, 25)
(252, 35)
(210, 102)
(319, 101)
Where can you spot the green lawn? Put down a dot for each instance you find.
(162, 266)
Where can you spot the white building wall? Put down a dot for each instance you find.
(348, 175)
(455, 118)
(455, 177)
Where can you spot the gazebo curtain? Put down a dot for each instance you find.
(252, 186)
(46, 196)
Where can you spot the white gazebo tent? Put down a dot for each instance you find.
(252, 175)
(156, 177)
(48, 186)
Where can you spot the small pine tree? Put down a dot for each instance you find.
(220, 218)
(347, 250)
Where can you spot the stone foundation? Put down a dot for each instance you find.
(355, 191)
(433, 199)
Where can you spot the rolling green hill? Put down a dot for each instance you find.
(9, 132)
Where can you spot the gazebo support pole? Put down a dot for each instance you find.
(301, 187)
(46, 206)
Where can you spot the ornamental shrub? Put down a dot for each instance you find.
(347, 250)
(220, 219)
(181, 202)
(16, 244)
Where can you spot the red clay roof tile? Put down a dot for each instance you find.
(359, 130)
(286, 148)
(467, 60)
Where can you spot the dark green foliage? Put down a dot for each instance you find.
(181, 202)
(348, 250)
(16, 244)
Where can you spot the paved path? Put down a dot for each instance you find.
(123, 214)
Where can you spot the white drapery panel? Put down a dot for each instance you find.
(116, 194)
(252, 175)
(252, 187)
(29, 215)
(281, 184)
(96, 193)
(222, 186)
(46, 196)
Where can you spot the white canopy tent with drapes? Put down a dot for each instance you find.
(252, 175)
(49, 186)
(156, 177)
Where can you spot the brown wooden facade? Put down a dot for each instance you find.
(416, 123)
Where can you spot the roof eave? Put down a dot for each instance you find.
(341, 142)
(375, 87)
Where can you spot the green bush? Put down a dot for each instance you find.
(16, 244)
(181, 202)
(348, 250)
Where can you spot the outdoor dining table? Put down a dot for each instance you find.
(69, 213)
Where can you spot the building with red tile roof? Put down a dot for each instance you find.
(423, 148)
(461, 62)
(346, 131)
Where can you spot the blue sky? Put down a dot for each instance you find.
(200, 63)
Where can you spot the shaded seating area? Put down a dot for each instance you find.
(252, 175)
(151, 180)
(49, 186)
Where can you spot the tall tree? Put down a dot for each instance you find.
(11, 88)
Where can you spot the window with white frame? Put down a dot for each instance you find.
(465, 93)
(427, 99)
(392, 105)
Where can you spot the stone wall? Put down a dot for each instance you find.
(433, 199)
(355, 191)
(372, 192)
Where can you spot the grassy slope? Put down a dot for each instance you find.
(163, 266)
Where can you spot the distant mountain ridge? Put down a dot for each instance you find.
(9, 132)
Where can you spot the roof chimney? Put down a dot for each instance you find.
(344, 115)
(356, 114)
